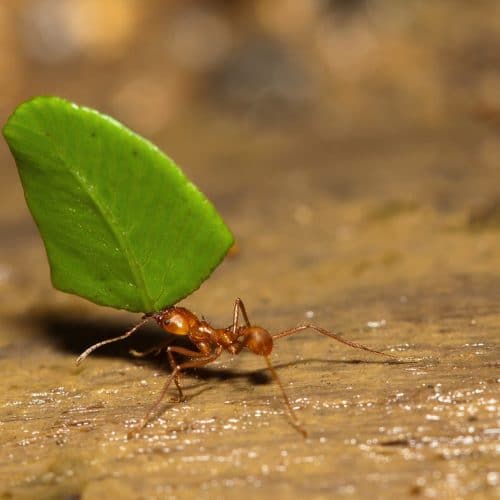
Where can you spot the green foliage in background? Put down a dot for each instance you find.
(122, 225)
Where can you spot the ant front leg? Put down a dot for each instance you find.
(155, 351)
(203, 359)
(173, 364)
(238, 307)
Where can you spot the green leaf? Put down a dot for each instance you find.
(122, 225)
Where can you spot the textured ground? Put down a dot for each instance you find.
(394, 266)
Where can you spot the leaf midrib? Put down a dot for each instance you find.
(111, 223)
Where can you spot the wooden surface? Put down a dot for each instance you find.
(391, 265)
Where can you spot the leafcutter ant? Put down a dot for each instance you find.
(209, 343)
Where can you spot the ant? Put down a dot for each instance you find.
(210, 342)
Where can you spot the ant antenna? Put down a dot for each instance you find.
(294, 421)
(92, 348)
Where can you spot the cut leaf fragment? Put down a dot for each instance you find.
(121, 224)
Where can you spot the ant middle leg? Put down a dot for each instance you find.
(332, 335)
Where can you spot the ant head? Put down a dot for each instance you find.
(176, 320)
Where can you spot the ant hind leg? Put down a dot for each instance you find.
(294, 420)
(332, 335)
(239, 307)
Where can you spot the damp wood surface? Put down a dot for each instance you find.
(395, 245)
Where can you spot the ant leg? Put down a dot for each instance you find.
(291, 413)
(92, 348)
(332, 335)
(238, 307)
(177, 370)
(155, 351)
(173, 363)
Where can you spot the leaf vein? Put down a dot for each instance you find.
(111, 222)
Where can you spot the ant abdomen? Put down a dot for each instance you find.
(258, 340)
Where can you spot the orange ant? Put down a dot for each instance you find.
(210, 342)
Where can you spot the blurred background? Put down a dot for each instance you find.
(281, 111)
(337, 64)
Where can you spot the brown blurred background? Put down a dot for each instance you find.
(340, 64)
(386, 102)
(340, 68)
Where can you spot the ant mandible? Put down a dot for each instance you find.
(210, 342)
